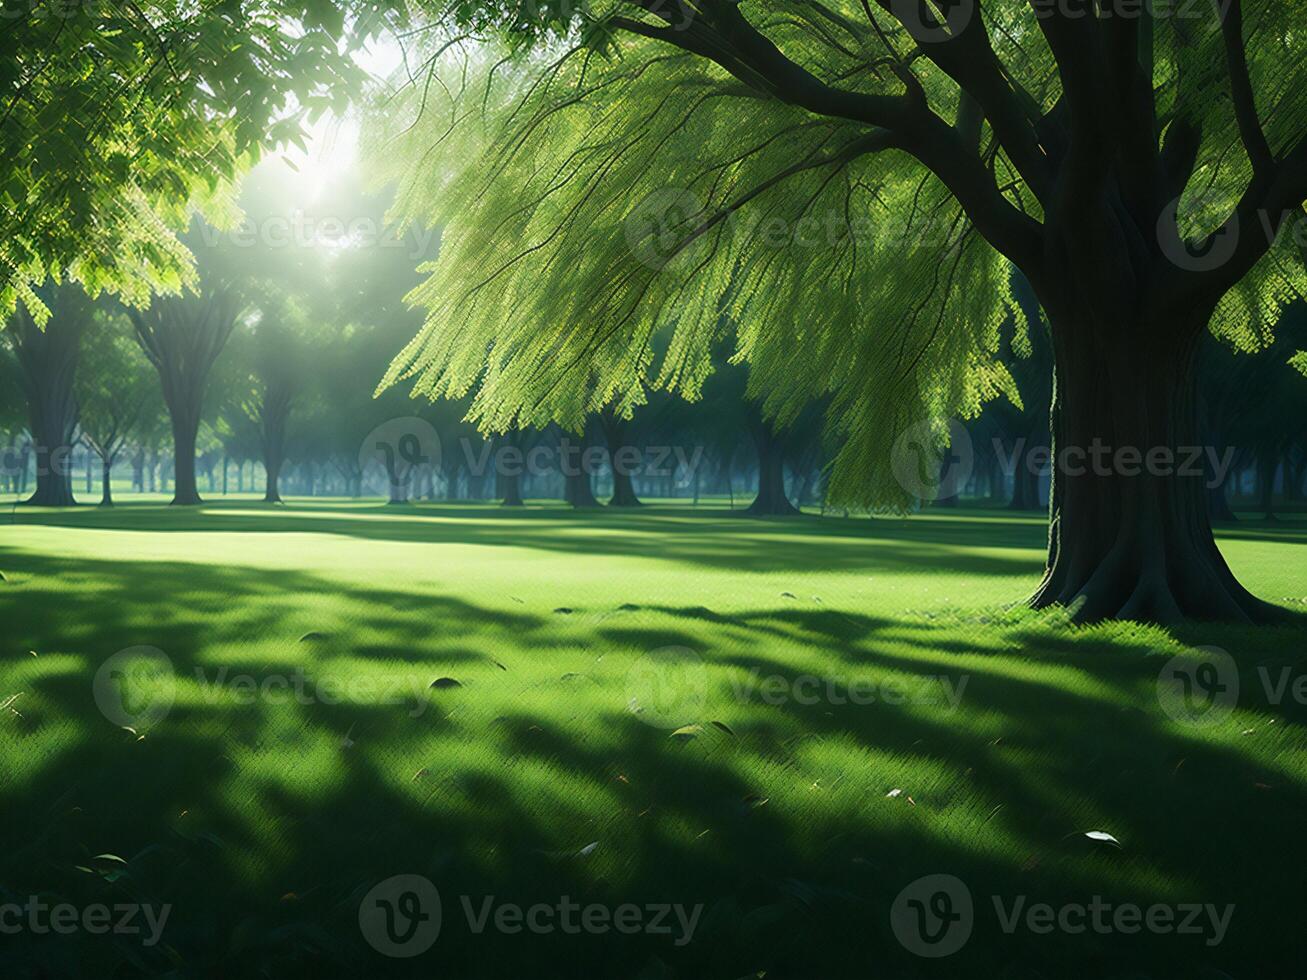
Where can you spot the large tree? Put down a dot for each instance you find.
(183, 336)
(46, 346)
(1136, 163)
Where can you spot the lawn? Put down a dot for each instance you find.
(772, 728)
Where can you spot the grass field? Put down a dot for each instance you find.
(775, 727)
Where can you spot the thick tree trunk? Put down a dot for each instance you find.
(1218, 502)
(1129, 538)
(271, 490)
(1267, 464)
(615, 429)
(771, 499)
(106, 493)
(274, 413)
(1025, 477)
(577, 490)
(185, 432)
(48, 361)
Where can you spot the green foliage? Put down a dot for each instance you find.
(117, 389)
(596, 187)
(551, 283)
(116, 120)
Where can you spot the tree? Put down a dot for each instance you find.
(113, 388)
(1111, 153)
(577, 487)
(47, 358)
(617, 432)
(182, 336)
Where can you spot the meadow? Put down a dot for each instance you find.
(758, 733)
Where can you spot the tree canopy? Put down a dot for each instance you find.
(848, 183)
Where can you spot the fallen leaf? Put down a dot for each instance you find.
(1102, 835)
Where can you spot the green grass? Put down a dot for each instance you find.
(263, 821)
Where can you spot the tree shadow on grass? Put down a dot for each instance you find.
(263, 822)
(708, 538)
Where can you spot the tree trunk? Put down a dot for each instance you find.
(615, 428)
(1025, 478)
(1218, 501)
(271, 491)
(771, 499)
(577, 490)
(1128, 540)
(185, 432)
(274, 412)
(106, 494)
(1267, 464)
(48, 360)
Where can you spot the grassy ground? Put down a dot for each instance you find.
(785, 723)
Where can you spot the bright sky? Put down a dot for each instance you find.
(334, 142)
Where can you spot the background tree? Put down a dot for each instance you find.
(47, 357)
(113, 389)
(182, 336)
